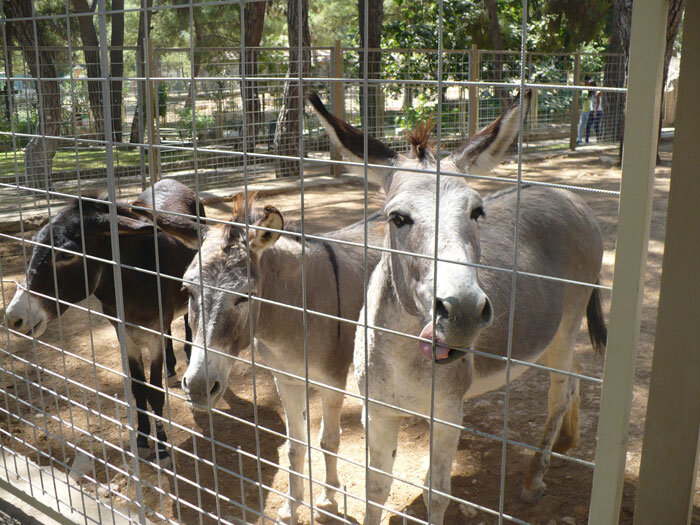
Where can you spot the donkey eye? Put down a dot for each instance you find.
(64, 256)
(399, 219)
(241, 300)
(478, 212)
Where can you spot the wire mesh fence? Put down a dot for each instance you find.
(207, 83)
(278, 313)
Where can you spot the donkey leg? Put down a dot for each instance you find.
(332, 402)
(140, 392)
(560, 356)
(170, 361)
(569, 432)
(445, 440)
(188, 338)
(383, 435)
(157, 400)
(293, 395)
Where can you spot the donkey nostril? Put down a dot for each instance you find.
(184, 383)
(215, 388)
(442, 308)
(16, 324)
(487, 312)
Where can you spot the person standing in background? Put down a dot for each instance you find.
(583, 118)
(595, 114)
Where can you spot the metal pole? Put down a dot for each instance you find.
(573, 136)
(638, 163)
(116, 256)
(153, 153)
(337, 99)
(473, 92)
(669, 455)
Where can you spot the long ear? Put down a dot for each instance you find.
(350, 141)
(485, 150)
(128, 223)
(130, 226)
(182, 228)
(260, 240)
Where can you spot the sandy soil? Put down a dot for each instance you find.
(476, 472)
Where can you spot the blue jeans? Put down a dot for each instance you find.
(582, 122)
(594, 118)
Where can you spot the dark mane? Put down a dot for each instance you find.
(420, 136)
(236, 232)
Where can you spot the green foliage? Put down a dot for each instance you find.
(162, 99)
(423, 108)
(23, 123)
(204, 122)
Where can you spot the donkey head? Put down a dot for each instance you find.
(58, 272)
(219, 287)
(428, 213)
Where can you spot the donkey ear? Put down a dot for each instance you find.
(350, 141)
(130, 226)
(485, 150)
(128, 223)
(260, 240)
(183, 229)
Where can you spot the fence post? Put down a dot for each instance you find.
(473, 91)
(667, 473)
(636, 190)
(153, 153)
(337, 100)
(462, 112)
(573, 136)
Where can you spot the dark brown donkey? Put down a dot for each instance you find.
(35, 303)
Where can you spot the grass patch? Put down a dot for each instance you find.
(65, 160)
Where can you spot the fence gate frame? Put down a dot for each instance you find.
(648, 35)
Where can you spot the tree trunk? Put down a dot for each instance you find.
(9, 88)
(375, 12)
(254, 16)
(287, 131)
(497, 42)
(39, 153)
(139, 121)
(197, 61)
(91, 52)
(116, 68)
(675, 15)
(616, 70)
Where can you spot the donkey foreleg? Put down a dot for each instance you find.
(445, 440)
(157, 400)
(170, 360)
(382, 435)
(139, 391)
(332, 402)
(293, 396)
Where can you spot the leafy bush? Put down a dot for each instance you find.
(204, 122)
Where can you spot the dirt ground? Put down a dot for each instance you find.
(476, 471)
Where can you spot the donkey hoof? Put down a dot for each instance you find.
(533, 494)
(144, 452)
(329, 508)
(286, 514)
(173, 381)
(163, 461)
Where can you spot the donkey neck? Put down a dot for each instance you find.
(281, 281)
(385, 311)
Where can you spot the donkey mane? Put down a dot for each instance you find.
(419, 138)
(233, 233)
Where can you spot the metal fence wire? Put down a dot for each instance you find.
(97, 139)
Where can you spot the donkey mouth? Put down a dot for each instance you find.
(443, 354)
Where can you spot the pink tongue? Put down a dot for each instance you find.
(441, 352)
